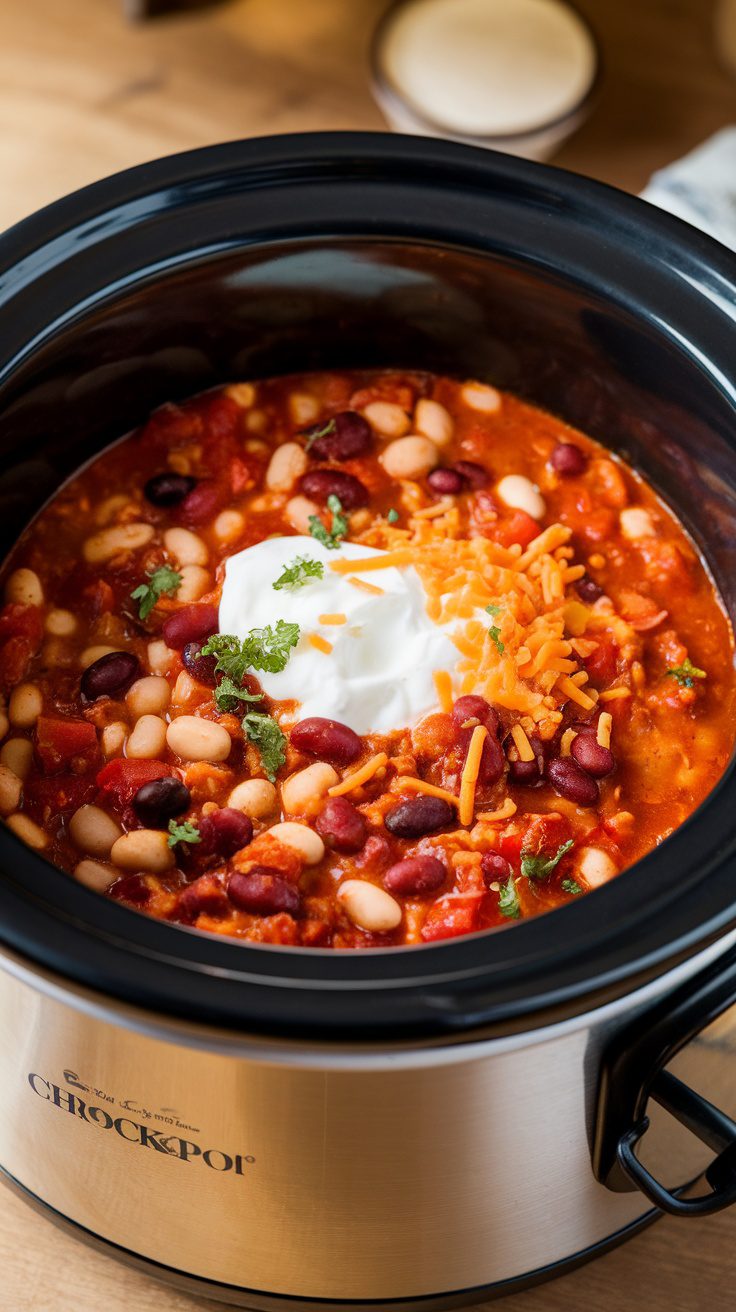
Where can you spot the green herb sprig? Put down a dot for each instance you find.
(685, 673)
(266, 649)
(508, 900)
(186, 832)
(163, 581)
(571, 886)
(326, 430)
(538, 866)
(494, 632)
(332, 537)
(301, 571)
(264, 732)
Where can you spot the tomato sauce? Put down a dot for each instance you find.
(588, 716)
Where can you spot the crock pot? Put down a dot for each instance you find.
(432, 1124)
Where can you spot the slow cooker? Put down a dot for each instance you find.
(428, 1125)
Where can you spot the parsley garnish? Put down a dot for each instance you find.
(493, 609)
(301, 570)
(183, 833)
(268, 738)
(330, 539)
(162, 580)
(494, 633)
(228, 695)
(685, 673)
(508, 899)
(262, 649)
(392, 516)
(570, 886)
(314, 433)
(540, 866)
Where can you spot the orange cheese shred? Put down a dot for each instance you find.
(605, 724)
(522, 744)
(571, 690)
(338, 618)
(320, 643)
(404, 556)
(443, 688)
(505, 812)
(412, 785)
(365, 586)
(471, 769)
(614, 694)
(360, 776)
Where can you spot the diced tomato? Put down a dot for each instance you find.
(597, 525)
(546, 833)
(17, 621)
(98, 598)
(601, 664)
(241, 475)
(120, 779)
(221, 415)
(53, 795)
(510, 845)
(21, 629)
(59, 742)
(518, 527)
(452, 916)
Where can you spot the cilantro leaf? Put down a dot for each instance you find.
(161, 581)
(183, 833)
(392, 516)
(313, 433)
(330, 538)
(228, 695)
(494, 633)
(508, 900)
(570, 886)
(268, 738)
(301, 570)
(493, 609)
(685, 673)
(539, 866)
(262, 649)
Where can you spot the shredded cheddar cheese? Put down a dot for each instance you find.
(333, 619)
(470, 773)
(360, 776)
(614, 694)
(572, 691)
(367, 587)
(522, 744)
(413, 785)
(320, 643)
(384, 561)
(443, 687)
(505, 812)
(566, 741)
(605, 724)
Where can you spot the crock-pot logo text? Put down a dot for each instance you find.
(184, 1150)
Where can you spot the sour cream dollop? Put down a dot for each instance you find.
(378, 676)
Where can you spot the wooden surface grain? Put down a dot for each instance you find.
(83, 94)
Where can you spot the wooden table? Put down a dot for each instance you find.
(82, 95)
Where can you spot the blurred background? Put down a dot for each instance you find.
(88, 87)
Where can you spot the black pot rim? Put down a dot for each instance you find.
(602, 946)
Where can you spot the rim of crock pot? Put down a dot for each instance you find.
(614, 938)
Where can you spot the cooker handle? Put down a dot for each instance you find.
(633, 1071)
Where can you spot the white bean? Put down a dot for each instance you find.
(17, 755)
(24, 588)
(595, 866)
(148, 696)
(432, 420)
(256, 797)
(184, 688)
(520, 493)
(636, 523)
(185, 547)
(95, 875)
(143, 849)
(388, 419)
(160, 657)
(368, 906)
(301, 839)
(287, 464)
(298, 512)
(110, 542)
(195, 581)
(27, 830)
(148, 739)
(243, 394)
(113, 738)
(60, 623)
(111, 507)
(229, 525)
(11, 788)
(479, 396)
(94, 831)
(195, 739)
(303, 790)
(25, 705)
(409, 457)
(303, 408)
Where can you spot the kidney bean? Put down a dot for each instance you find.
(350, 436)
(492, 759)
(422, 815)
(160, 800)
(200, 667)
(168, 489)
(205, 896)
(131, 888)
(495, 867)
(588, 590)
(568, 459)
(193, 623)
(528, 772)
(110, 676)
(595, 760)
(327, 739)
(201, 503)
(472, 707)
(569, 781)
(319, 484)
(415, 875)
(341, 826)
(448, 482)
(224, 832)
(474, 474)
(263, 891)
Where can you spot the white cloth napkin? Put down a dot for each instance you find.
(701, 187)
